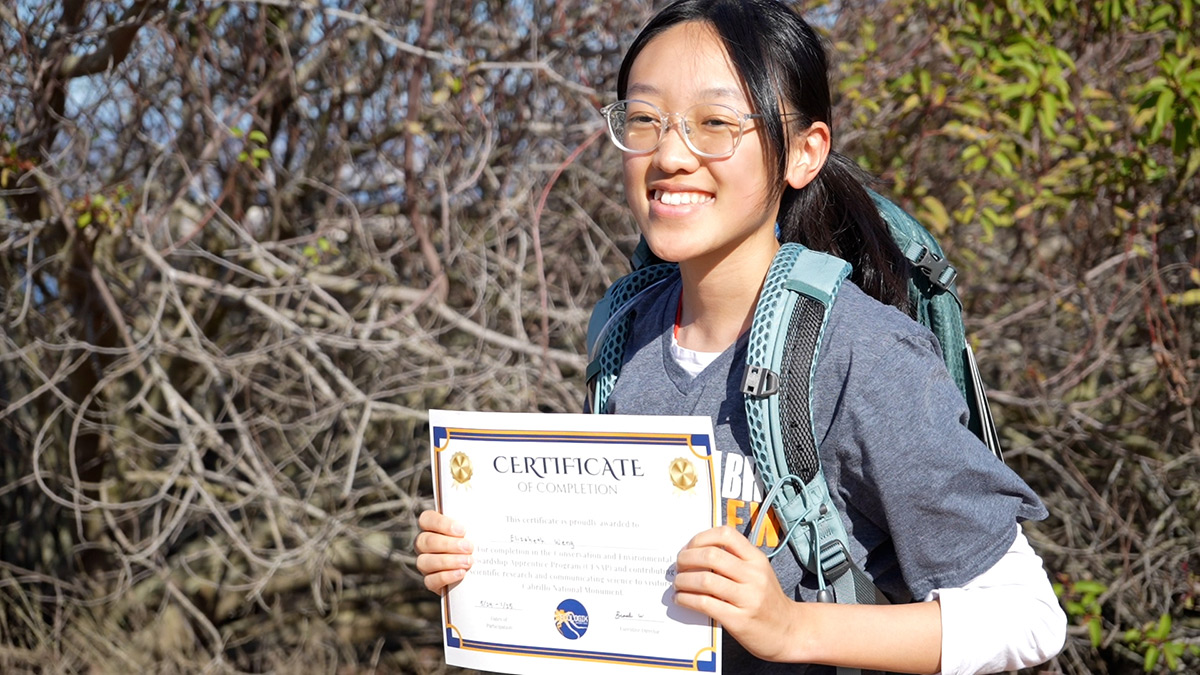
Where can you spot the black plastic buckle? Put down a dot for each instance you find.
(759, 382)
(934, 267)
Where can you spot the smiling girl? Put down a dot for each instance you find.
(724, 122)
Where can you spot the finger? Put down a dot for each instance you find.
(441, 580)
(704, 582)
(433, 563)
(431, 542)
(725, 537)
(433, 521)
(711, 606)
(714, 558)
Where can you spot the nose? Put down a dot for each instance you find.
(673, 153)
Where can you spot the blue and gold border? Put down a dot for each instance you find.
(704, 662)
(699, 445)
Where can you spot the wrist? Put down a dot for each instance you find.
(799, 643)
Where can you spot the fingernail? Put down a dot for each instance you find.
(466, 561)
(462, 546)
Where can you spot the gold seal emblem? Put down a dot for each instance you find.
(683, 474)
(460, 468)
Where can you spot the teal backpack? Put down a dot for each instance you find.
(784, 343)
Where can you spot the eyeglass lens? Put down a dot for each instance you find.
(711, 128)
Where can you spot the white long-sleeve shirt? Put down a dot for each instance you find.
(1004, 619)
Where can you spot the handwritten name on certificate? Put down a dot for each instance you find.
(576, 522)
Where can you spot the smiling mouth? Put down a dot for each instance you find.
(680, 198)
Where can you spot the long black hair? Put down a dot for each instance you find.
(782, 60)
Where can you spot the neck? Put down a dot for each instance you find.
(719, 300)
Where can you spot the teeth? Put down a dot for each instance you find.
(680, 198)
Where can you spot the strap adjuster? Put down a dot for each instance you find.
(759, 382)
(835, 559)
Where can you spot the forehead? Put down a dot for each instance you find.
(685, 64)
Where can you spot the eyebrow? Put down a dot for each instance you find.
(712, 92)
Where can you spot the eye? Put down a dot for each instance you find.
(641, 118)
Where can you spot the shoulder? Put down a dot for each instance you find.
(862, 328)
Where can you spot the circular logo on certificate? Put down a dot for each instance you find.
(683, 474)
(460, 468)
(571, 619)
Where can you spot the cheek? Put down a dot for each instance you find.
(633, 171)
(751, 178)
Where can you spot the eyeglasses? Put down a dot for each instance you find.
(711, 130)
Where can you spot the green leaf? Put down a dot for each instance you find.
(1173, 650)
(1004, 163)
(1193, 165)
(1089, 586)
(84, 219)
(243, 156)
(260, 153)
(1163, 629)
(1161, 12)
(237, 132)
(1182, 68)
(1166, 102)
(1095, 631)
(1025, 122)
(1009, 92)
(935, 215)
(1151, 659)
(258, 136)
(969, 109)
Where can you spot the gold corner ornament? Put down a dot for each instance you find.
(460, 468)
(683, 474)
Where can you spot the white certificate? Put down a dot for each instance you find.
(576, 521)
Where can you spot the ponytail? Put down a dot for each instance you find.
(834, 213)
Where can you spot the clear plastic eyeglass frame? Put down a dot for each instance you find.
(720, 119)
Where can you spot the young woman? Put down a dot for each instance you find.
(725, 126)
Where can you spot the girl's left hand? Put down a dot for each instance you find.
(723, 576)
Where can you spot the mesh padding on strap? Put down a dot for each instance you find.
(804, 333)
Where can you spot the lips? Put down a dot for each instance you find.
(681, 198)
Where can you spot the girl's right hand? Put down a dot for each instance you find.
(443, 554)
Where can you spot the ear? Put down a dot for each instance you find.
(807, 153)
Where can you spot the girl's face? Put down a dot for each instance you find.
(691, 209)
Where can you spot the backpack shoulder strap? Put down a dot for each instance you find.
(935, 300)
(608, 330)
(785, 340)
